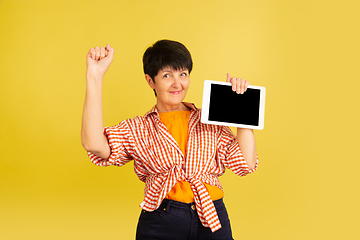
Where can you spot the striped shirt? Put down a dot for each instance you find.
(160, 163)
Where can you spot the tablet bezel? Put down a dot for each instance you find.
(206, 101)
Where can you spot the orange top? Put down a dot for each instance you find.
(157, 163)
(177, 123)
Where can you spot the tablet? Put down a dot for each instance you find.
(222, 106)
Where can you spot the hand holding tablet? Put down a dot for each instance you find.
(222, 106)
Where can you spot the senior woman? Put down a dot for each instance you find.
(178, 157)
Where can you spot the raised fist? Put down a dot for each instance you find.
(98, 60)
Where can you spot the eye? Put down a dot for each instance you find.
(184, 74)
(166, 76)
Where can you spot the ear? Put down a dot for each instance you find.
(150, 81)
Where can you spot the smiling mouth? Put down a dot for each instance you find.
(175, 92)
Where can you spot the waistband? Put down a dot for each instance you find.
(167, 203)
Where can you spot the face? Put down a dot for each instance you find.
(171, 87)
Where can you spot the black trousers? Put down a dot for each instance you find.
(179, 221)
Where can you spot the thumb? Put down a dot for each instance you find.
(228, 77)
(110, 51)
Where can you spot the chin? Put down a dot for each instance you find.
(174, 103)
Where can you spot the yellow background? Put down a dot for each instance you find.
(306, 53)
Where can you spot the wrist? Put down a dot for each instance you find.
(94, 77)
(244, 130)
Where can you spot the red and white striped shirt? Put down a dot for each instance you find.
(160, 163)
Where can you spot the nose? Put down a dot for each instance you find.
(176, 82)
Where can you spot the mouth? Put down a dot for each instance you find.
(175, 92)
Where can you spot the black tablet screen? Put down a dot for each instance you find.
(228, 106)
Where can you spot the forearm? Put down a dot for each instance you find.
(92, 136)
(246, 140)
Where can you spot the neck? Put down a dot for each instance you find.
(170, 108)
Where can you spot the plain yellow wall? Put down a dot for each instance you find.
(306, 53)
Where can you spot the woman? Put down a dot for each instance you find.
(178, 157)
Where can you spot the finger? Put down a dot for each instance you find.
(106, 52)
(247, 83)
(238, 85)
(242, 90)
(102, 52)
(233, 84)
(97, 53)
(228, 77)
(91, 53)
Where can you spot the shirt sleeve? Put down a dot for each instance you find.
(120, 142)
(230, 153)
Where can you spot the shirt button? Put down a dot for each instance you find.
(193, 207)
